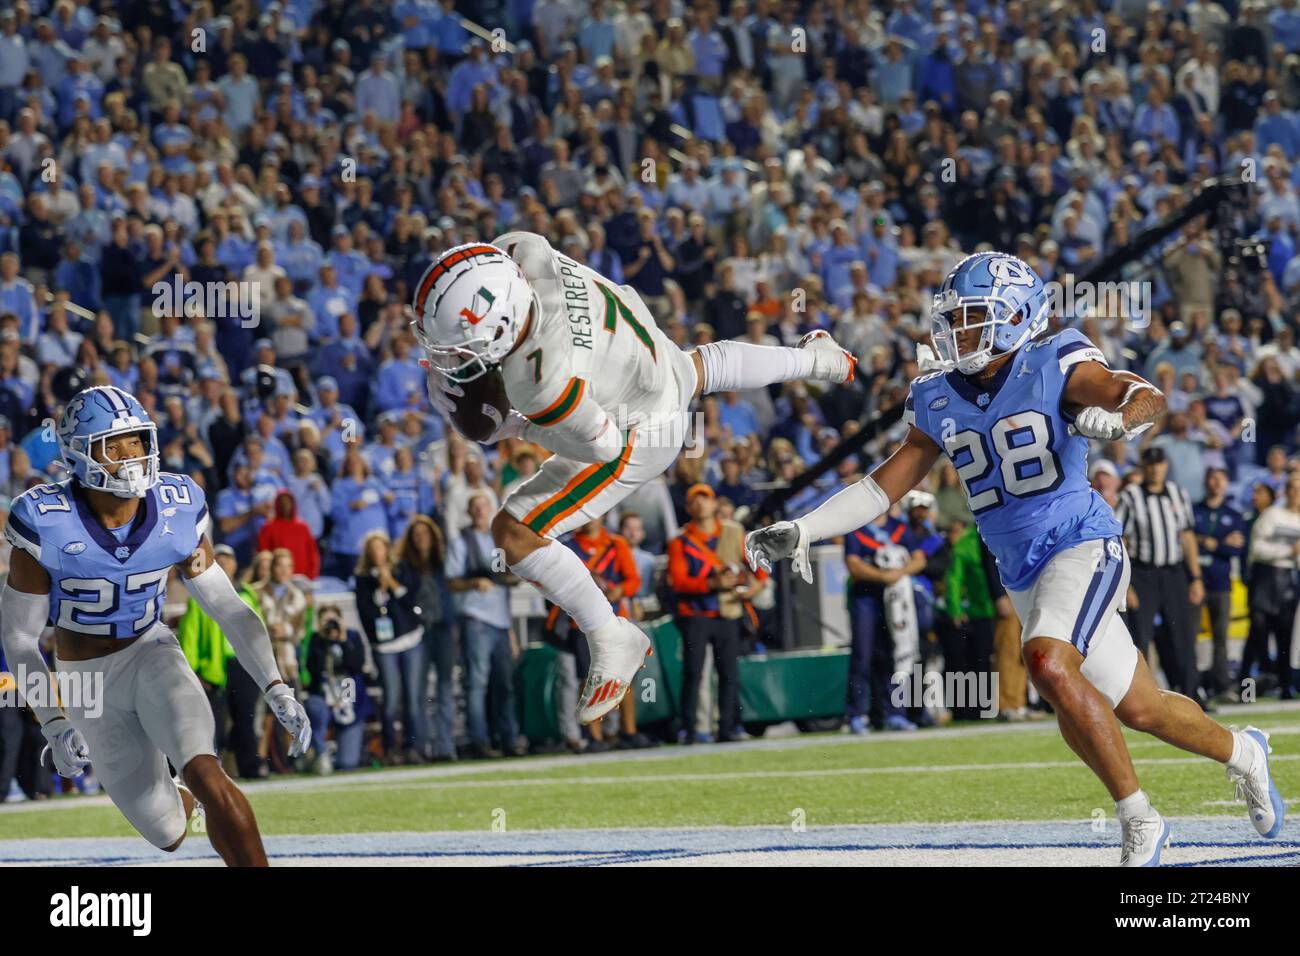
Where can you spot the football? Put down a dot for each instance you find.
(483, 406)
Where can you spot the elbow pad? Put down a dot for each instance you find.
(241, 625)
(22, 619)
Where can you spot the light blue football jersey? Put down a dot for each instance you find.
(108, 583)
(1025, 475)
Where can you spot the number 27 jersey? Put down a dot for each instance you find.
(1025, 476)
(108, 582)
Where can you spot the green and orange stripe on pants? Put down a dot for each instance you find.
(581, 489)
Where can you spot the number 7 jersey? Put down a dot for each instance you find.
(108, 582)
(1024, 474)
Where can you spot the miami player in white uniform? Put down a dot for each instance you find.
(592, 378)
(1012, 410)
(92, 556)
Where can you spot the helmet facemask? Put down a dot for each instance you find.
(954, 314)
(134, 476)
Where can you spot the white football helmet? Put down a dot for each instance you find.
(916, 498)
(469, 308)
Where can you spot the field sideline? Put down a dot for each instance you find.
(981, 794)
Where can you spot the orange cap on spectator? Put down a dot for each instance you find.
(699, 488)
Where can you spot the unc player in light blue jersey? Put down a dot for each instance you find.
(1013, 410)
(92, 556)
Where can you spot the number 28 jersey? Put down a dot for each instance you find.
(108, 582)
(1025, 476)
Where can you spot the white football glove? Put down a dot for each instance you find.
(785, 539)
(441, 389)
(67, 747)
(926, 360)
(1096, 422)
(512, 427)
(292, 716)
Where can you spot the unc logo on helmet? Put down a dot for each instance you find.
(469, 308)
(92, 417)
(1011, 302)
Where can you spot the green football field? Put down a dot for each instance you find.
(983, 772)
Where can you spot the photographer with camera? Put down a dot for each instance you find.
(336, 660)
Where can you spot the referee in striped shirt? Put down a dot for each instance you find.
(1159, 527)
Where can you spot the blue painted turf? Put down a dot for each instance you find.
(1196, 842)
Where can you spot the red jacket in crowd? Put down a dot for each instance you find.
(287, 530)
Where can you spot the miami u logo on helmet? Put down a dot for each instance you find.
(472, 317)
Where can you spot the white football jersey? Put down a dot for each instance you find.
(592, 337)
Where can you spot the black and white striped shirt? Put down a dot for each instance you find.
(1154, 521)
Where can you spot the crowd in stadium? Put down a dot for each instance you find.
(754, 170)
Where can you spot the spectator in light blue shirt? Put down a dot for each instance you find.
(710, 51)
(466, 75)
(738, 416)
(78, 277)
(377, 91)
(240, 92)
(687, 190)
(596, 35)
(78, 83)
(351, 266)
(328, 301)
(358, 509)
(300, 256)
(894, 74)
(448, 34)
(49, 55)
(1285, 23)
(311, 492)
(241, 509)
(14, 60)
(285, 87)
(18, 296)
(173, 139)
(1155, 120)
(415, 18)
(1273, 125)
(58, 345)
(400, 382)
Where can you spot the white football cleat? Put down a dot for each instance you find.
(614, 663)
(1144, 839)
(1256, 787)
(831, 363)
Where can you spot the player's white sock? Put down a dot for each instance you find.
(1243, 753)
(564, 580)
(737, 366)
(1134, 805)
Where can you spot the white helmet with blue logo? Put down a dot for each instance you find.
(1013, 299)
(92, 417)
